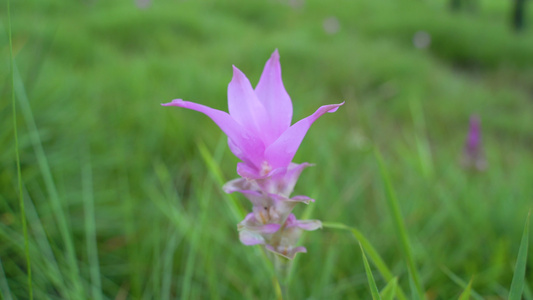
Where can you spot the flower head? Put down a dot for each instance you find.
(260, 134)
(258, 124)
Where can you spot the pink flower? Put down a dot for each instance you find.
(258, 125)
(260, 133)
(473, 153)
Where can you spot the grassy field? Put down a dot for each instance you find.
(123, 197)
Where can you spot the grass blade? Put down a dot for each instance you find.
(17, 156)
(401, 232)
(527, 292)
(389, 290)
(519, 277)
(321, 287)
(424, 153)
(5, 292)
(43, 246)
(414, 294)
(90, 229)
(235, 207)
(369, 276)
(168, 263)
(46, 172)
(461, 283)
(194, 248)
(372, 253)
(465, 295)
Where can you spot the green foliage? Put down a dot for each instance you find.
(388, 292)
(370, 277)
(465, 295)
(519, 277)
(122, 196)
(400, 232)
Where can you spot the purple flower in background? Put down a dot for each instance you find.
(260, 134)
(258, 125)
(473, 154)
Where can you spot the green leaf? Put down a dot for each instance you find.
(372, 253)
(234, 205)
(422, 144)
(90, 228)
(401, 232)
(17, 156)
(5, 291)
(517, 285)
(370, 277)
(414, 294)
(465, 295)
(460, 282)
(388, 292)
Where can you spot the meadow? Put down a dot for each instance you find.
(122, 197)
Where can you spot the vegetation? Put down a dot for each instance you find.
(123, 197)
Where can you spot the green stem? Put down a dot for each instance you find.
(282, 266)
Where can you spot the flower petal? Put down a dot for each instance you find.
(299, 198)
(244, 144)
(247, 171)
(280, 181)
(275, 99)
(250, 223)
(257, 199)
(239, 185)
(250, 238)
(244, 107)
(282, 151)
(309, 225)
(302, 198)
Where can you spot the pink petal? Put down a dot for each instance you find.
(299, 198)
(309, 224)
(238, 185)
(299, 250)
(243, 143)
(302, 198)
(270, 228)
(291, 177)
(282, 151)
(249, 219)
(282, 180)
(250, 238)
(236, 150)
(257, 198)
(247, 171)
(250, 223)
(272, 94)
(244, 107)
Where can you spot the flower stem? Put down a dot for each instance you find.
(282, 266)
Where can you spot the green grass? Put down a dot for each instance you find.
(123, 197)
(17, 161)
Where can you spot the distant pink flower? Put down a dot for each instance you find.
(473, 153)
(258, 125)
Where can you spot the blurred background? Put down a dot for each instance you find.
(121, 204)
